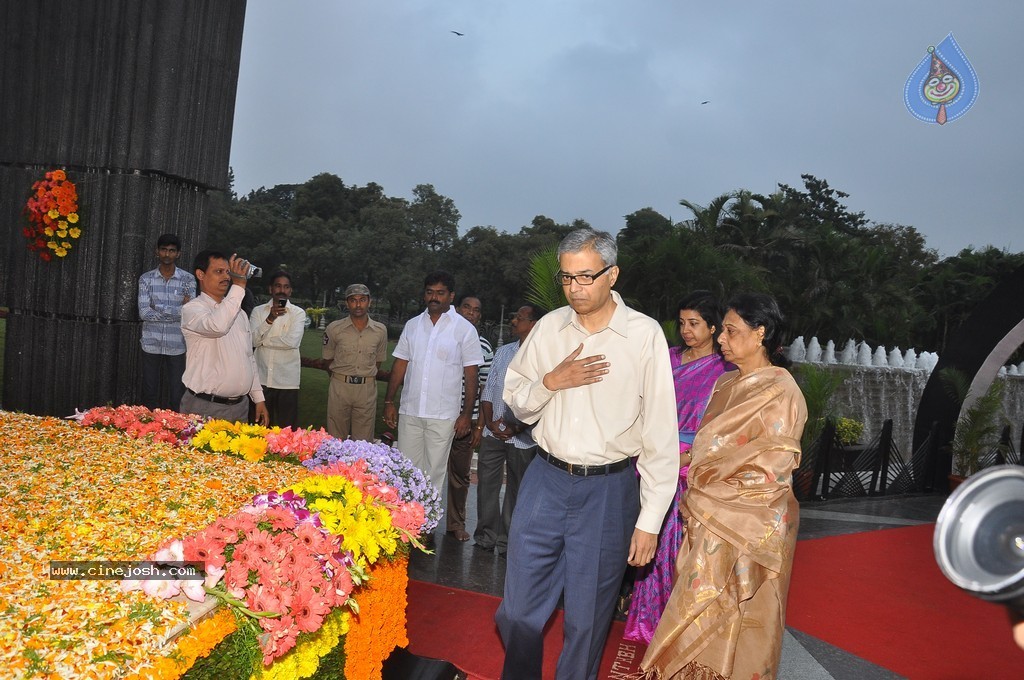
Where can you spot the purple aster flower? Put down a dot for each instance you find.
(390, 466)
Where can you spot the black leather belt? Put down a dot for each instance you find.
(227, 401)
(352, 379)
(577, 470)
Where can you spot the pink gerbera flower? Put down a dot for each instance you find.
(309, 609)
(259, 543)
(281, 634)
(265, 598)
(341, 586)
(202, 547)
(236, 578)
(313, 538)
(281, 519)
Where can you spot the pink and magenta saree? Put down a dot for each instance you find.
(653, 585)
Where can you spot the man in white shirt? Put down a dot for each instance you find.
(277, 329)
(220, 371)
(436, 352)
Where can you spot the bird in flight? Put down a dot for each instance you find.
(457, 33)
(708, 101)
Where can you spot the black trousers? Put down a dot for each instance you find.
(283, 407)
(161, 380)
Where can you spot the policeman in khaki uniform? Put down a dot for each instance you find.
(354, 348)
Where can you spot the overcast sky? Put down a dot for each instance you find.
(593, 108)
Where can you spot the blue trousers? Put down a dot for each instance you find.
(569, 537)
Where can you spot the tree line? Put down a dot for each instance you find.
(836, 274)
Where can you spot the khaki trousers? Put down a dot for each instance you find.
(352, 409)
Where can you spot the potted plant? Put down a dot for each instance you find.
(818, 384)
(977, 429)
(848, 431)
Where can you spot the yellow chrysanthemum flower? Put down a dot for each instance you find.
(63, 233)
(75, 232)
(52, 245)
(48, 231)
(253, 449)
(60, 252)
(201, 438)
(73, 218)
(54, 213)
(220, 442)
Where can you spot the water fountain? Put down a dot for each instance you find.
(813, 352)
(880, 385)
(829, 356)
(849, 353)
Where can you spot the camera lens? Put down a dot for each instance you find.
(999, 541)
(254, 271)
(979, 535)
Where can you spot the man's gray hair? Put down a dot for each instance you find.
(600, 242)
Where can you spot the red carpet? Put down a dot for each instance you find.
(880, 596)
(458, 626)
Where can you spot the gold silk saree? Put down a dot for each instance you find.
(726, 615)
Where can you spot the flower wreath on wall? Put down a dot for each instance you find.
(53, 216)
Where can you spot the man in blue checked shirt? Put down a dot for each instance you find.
(162, 292)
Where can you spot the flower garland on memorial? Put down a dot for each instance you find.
(74, 493)
(140, 422)
(52, 212)
(287, 560)
(321, 561)
(390, 466)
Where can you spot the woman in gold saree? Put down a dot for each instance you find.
(726, 615)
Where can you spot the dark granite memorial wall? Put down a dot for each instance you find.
(135, 101)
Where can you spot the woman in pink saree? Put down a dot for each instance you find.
(727, 612)
(696, 366)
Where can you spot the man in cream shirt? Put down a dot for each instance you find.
(220, 371)
(595, 378)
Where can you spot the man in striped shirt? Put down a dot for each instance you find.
(460, 458)
(162, 292)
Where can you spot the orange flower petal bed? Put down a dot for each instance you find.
(74, 493)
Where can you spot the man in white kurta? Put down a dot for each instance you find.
(436, 352)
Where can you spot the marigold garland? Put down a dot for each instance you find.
(52, 212)
(380, 625)
(192, 645)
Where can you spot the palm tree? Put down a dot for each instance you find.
(543, 289)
